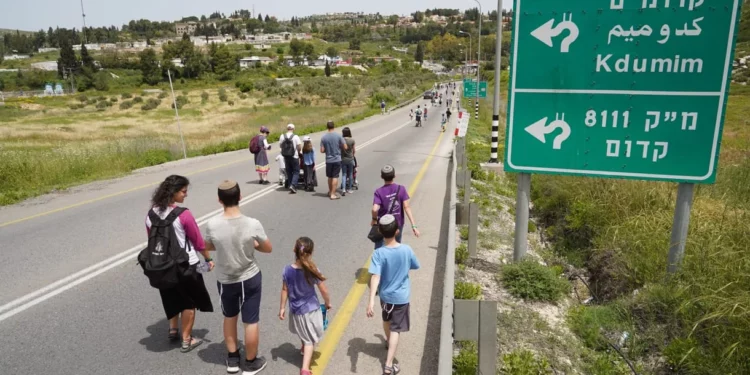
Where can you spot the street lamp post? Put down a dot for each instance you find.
(469, 51)
(479, 53)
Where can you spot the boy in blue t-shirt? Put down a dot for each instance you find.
(390, 268)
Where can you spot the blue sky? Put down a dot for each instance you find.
(36, 14)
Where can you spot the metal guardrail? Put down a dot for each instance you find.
(445, 353)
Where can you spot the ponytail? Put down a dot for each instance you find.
(303, 250)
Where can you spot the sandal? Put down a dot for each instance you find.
(190, 344)
(393, 370)
(174, 334)
(305, 372)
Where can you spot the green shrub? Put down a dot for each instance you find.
(150, 104)
(127, 95)
(82, 98)
(223, 95)
(231, 102)
(113, 99)
(181, 101)
(162, 95)
(137, 100)
(156, 157)
(463, 232)
(523, 362)
(103, 105)
(245, 86)
(101, 99)
(91, 102)
(464, 290)
(242, 96)
(533, 281)
(465, 363)
(462, 254)
(126, 104)
(592, 323)
(204, 97)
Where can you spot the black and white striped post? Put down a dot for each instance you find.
(496, 104)
(476, 108)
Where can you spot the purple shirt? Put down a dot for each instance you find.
(302, 296)
(387, 193)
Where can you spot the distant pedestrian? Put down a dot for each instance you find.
(392, 199)
(282, 170)
(190, 294)
(389, 267)
(347, 162)
(235, 237)
(291, 146)
(331, 144)
(298, 286)
(258, 146)
(308, 156)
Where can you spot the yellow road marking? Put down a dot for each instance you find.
(341, 321)
(110, 195)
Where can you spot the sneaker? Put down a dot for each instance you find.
(254, 367)
(350, 191)
(233, 363)
(292, 190)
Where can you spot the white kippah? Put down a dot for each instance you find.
(387, 219)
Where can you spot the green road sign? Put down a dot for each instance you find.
(620, 88)
(470, 89)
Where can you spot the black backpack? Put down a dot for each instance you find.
(287, 147)
(163, 261)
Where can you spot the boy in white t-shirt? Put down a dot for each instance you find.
(282, 170)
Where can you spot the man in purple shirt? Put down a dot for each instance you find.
(393, 199)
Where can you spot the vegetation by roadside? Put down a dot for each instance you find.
(608, 240)
(52, 143)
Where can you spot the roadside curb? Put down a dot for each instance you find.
(445, 354)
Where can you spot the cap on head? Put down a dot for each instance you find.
(227, 184)
(387, 172)
(386, 219)
(264, 129)
(290, 127)
(306, 139)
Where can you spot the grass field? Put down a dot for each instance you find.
(53, 143)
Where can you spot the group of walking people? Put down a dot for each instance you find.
(298, 155)
(234, 239)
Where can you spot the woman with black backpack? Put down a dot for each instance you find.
(182, 291)
(258, 146)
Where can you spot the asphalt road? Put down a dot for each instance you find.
(75, 302)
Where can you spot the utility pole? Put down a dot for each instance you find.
(496, 104)
(177, 115)
(85, 40)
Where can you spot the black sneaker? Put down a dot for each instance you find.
(233, 363)
(254, 367)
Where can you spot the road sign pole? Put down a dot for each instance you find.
(680, 226)
(177, 114)
(496, 104)
(479, 56)
(522, 216)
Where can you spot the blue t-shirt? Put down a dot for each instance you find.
(393, 265)
(302, 296)
(332, 143)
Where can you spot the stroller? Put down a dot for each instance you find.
(302, 181)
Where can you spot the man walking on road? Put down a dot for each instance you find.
(390, 268)
(291, 146)
(392, 199)
(331, 144)
(235, 237)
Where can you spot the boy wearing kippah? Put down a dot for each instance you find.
(389, 269)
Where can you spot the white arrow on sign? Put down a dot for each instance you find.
(546, 32)
(540, 129)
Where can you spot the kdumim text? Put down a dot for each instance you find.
(676, 64)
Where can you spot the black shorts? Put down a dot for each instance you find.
(397, 315)
(333, 170)
(241, 297)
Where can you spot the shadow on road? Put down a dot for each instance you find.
(374, 350)
(290, 354)
(216, 353)
(157, 341)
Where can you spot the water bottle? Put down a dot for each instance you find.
(203, 267)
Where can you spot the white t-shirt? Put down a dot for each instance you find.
(233, 239)
(295, 140)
